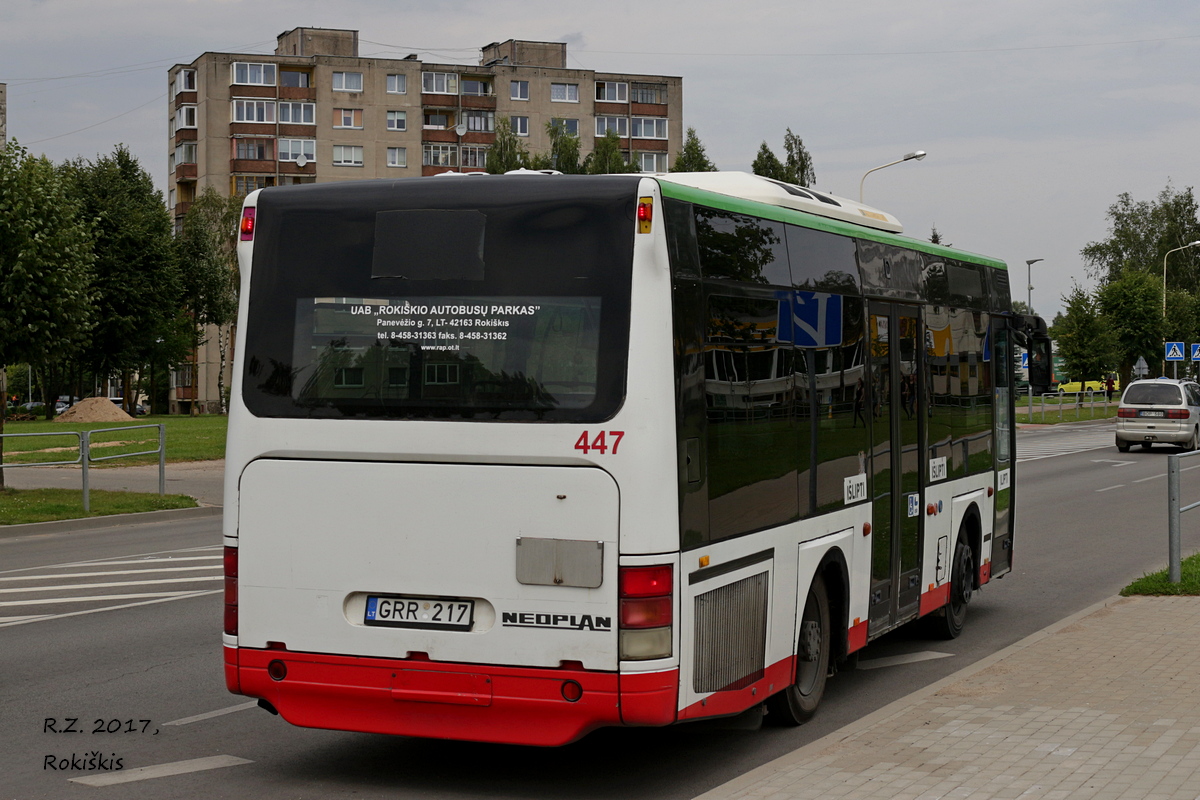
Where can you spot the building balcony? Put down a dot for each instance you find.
(253, 128)
(253, 91)
(185, 173)
(648, 109)
(649, 144)
(487, 101)
(186, 135)
(437, 170)
(182, 209)
(291, 168)
(252, 166)
(297, 93)
(437, 135)
(185, 99)
(439, 100)
(298, 131)
(478, 137)
(612, 109)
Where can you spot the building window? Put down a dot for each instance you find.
(649, 93)
(397, 157)
(481, 121)
(439, 82)
(296, 180)
(476, 86)
(293, 149)
(439, 155)
(245, 184)
(186, 117)
(618, 124)
(648, 127)
(397, 84)
(186, 81)
(473, 156)
(347, 81)
(571, 126)
(397, 120)
(294, 79)
(347, 155)
(347, 118)
(564, 92)
(397, 376)
(253, 110)
(518, 90)
(185, 153)
(610, 92)
(520, 125)
(183, 375)
(347, 377)
(438, 120)
(254, 149)
(254, 74)
(653, 162)
(441, 373)
(298, 113)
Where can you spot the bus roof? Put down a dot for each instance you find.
(753, 194)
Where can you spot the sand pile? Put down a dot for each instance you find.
(94, 409)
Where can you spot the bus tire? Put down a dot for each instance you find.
(797, 703)
(949, 623)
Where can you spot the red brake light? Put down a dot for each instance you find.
(1126, 413)
(645, 214)
(646, 581)
(1177, 413)
(247, 227)
(231, 592)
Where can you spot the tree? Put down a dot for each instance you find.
(692, 157)
(936, 237)
(1140, 236)
(1086, 342)
(564, 148)
(798, 164)
(45, 265)
(1020, 307)
(1132, 308)
(508, 152)
(206, 251)
(607, 158)
(136, 279)
(767, 164)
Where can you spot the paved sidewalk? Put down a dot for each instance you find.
(1104, 705)
(203, 480)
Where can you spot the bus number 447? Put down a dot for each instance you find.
(602, 442)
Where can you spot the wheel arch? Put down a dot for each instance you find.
(836, 574)
(971, 526)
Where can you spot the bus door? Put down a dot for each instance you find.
(897, 428)
(1005, 366)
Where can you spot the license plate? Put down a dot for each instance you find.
(1152, 413)
(405, 611)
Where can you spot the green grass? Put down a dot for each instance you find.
(1066, 412)
(20, 506)
(199, 438)
(1157, 584)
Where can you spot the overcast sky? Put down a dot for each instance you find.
(1036, 114)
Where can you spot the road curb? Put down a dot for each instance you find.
(111, 521)
(786, 762)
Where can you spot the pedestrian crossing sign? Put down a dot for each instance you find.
(1196, 352)
(1174, 351)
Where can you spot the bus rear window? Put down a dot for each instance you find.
(495, 298)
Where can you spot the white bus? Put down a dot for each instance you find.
(515, 457)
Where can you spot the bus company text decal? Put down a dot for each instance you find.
(562, 622)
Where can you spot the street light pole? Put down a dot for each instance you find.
(1029, 281)
(1164, 303)
(916, 155)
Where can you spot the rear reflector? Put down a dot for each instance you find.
(231, 591)
(247, 227)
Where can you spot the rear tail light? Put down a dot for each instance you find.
(647, 611)
(231, 591)
(645, 214)
(247, 226)
(1126, 413)
(1177, 413)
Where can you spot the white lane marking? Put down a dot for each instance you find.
(1112, 461)
(161, 770)
(1151, 478)
(1110, 488)
(147, 558)
(895, 661)
(59, 575)
(209, 715)
(69, 587)
(7, 622)
(95, 597)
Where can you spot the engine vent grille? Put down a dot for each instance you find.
(731, 635)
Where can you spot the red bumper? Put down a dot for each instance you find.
(513, 705)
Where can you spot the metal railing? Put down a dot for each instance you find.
(85, 456)
(1174, 510)
(1085, 399)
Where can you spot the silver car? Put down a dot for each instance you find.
(1159, 411)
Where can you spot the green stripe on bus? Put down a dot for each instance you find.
(828, 224)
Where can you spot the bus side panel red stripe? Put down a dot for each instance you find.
(935, 598)
(231, 670)
(856, 637)
(775, 678)
(649, 698)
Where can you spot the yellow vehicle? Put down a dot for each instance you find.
(1083, 386)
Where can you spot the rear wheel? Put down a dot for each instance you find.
(949, 624)
(1122, 446)
(1190, 444)
(797, 703)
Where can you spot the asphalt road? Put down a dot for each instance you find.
(1088, 523)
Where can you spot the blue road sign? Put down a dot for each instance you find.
(1196, 352)
(1174, 351)
(1025, 360)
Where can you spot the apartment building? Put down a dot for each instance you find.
(318, 111)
